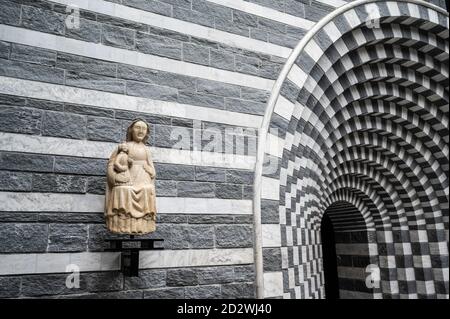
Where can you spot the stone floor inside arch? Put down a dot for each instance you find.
(340, 188)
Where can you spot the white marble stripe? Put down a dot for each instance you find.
(61, 93)
(42, 263)
(12, 142)
(189, 28)
(270, 188)
(107, 53)
(333, 3)
(266, 12)
(271, 235)
(273, 284)
(90, 203)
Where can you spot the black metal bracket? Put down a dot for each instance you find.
(129, 249)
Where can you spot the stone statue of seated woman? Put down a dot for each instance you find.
(130, 202)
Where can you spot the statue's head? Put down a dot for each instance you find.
(138, 131)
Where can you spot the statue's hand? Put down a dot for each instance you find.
(149, 170)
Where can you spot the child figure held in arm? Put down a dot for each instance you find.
(122, 165)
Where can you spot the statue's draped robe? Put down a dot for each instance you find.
(131, 208)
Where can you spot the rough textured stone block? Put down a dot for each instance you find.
(215, 275)
(30, 71)
(59, 183)
(191, 236)
(118, 37)
(147, 279)
(231, 191)
(43, 20)
(245, 18)
(181, 277)
(254, 94)
(44, 284)
(193, 16)
(4, 50)
(233, 236)
(23, 238)
(157, 92)
(187, 97)
(77, 165)
(194, 189)
(166, 188)
(195, 53)
(149, 5)
(104, 281)
(239, 176)
(64, 125)
(175, 172)
(249, 65)
(9, 287)
(84, 64)
(152, 44)
(244, 273)
(269, 212)
(218, 88)
(67, 237)
(272, 259)
(211, 219)
(9, 12)
(209, 174)
(238, 291)
(32, 54)
(167, 293)
(103, 129)
(202, 292)
(20, 120)
(26, 162)
(95, 82)
(88, 30)
(221, 60)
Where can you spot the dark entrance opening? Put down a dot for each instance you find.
(329, 259)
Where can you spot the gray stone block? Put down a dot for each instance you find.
(43, 20)
(131, 294)
(272, 259)
(152, 44)
(232, 26)
(151, 91)
(88, 30)
(174, 137)
(247, 192)
(193, 16)
(211, 219)
(9, 287)
(8, 217)
(209, 174)
(269, 211)
(245, 18)
(202, 292)
(282, 40)
(254, 94)
(221, 60)
(29, 71)
(259, 34)
(104, 129)
(150, 5)
(83, 64)
(23, 238)
(44, 284)
(104, 281)
(167, 293)
(122, 23)
(238, 176)
(26, 162)
(294, 32)
(175, 172)
(166, 188)
(249, 65)
(270, 70)
(88, 110)
(215, 275)
(238, 291)
(271, 25)
(170, 34)
(64, 125)
(218, 88)
(59, 183)
(277, 5)
(244, 106)
(9, 12)
(118, 37)
(20, 120)
(230, 191)
(15, 181)
(195, 53)
(130, 72)
(32, 54)
(295, 8)
(67, 237)
(147, 279)
(45, 105)
(181, 277)
(12, 100)
(182, 122)
(244, 273)
(179, 3)
(212, 9)
(172, 219)
(196, 189)
(191, 236)
(243, 219)
(231, 236)
(83, 166)
(97, 236)
(317, 11)
(58, 217)
(187, 97)
(95, 82)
